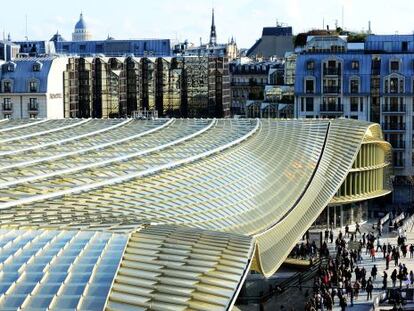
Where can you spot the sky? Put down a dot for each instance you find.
(191, 19)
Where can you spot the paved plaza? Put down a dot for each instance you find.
(294, 299)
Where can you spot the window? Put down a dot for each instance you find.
(376, 66)
(309, 86)
(37, 66)
(6, 116)
(7, 86)
(354, 104)
(354, 86)
(33, 86)
(331, 64)
(310, 65)
(398, 159)
(7, 104)
(395, 65)
(309, 103)
(355, 65)
(33, 106)
(302, 105)
(11, 67)
(404, 46)
(394, 85)
(33, 116)
(361, 104)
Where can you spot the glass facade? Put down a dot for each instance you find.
(174, 87)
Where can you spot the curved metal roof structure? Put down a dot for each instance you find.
(168, 213)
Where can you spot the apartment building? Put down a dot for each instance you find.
(371, 81)
(32, 88)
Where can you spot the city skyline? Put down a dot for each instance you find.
(243, 19)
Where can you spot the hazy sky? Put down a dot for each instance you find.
(190, 19)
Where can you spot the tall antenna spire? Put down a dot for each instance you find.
(27, 37)
(213, 36)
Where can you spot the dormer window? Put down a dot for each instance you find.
(7, 86)
(37, 66)
(11, 67)
(33, 86)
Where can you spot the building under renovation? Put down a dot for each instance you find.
(104, 87)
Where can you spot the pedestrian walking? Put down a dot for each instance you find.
(374, 271)
(370, 287)
(385, 280)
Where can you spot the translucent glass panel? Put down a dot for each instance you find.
(57, 269)
(179, 141)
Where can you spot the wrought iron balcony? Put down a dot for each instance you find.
(332, 89)
(331, 71)
(397, 144)
(394, 108)
(32, 107)
(393, 126)
(7, 107)
(332, 108)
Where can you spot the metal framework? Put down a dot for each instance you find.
(168, 213)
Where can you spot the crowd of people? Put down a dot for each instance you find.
(343, 278)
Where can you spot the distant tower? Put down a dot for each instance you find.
(213, 35)
(81, 32)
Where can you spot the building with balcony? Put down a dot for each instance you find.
(93, 219)
(249, 80)
(32, 88)
(373, 81)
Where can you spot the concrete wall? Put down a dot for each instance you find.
(55, 107)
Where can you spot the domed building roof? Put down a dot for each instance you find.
(81, 32)
(81, 25)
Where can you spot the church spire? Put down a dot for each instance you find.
(213, 36)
